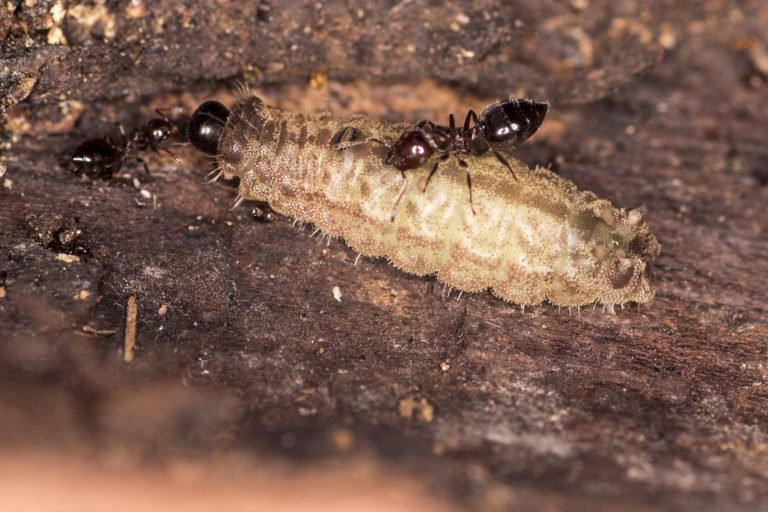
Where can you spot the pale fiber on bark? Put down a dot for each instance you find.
(129, 341)
(538, 238)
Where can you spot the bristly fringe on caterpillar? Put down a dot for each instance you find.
(533, 238)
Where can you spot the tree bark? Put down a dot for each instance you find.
(243, 345)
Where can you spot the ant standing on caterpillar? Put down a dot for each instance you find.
(501, 126)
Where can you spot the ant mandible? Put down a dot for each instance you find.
(103, 158)
(500, 126)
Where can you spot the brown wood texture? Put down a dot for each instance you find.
(243, 352)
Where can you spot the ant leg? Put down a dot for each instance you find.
(351, 144)
(162, 113)
(433, 171)
(399, 196)
(470, 115)
(465, 166)
(144, 164)
(504, 161)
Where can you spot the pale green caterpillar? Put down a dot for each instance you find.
(530, 239)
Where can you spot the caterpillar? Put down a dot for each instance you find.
(531, 236)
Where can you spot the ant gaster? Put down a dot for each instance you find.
(103, 158)
(499, 127)
(206, 126)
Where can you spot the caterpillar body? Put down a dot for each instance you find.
(531, 238)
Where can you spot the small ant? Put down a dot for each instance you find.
(103, 158)
(500, 126)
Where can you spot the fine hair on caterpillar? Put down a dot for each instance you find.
(528, 235)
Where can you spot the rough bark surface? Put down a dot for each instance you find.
(247, 360)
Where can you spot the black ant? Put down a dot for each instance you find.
(103, 158)
(500, 126)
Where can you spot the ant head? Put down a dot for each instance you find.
(512, 121)
(160, 130)
(97, 158)
(410, 151)
(206, 126)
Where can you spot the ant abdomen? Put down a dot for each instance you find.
(512, 122)
(97, 158)
(206, 125)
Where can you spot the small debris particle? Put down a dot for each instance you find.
(467, 54)
(318, 79)
(3, 293)
(445, 366)
(7, 184)
(129, 341)
(88, 329)
(162, 310)
(422, 410)
(337, 293)
(135, 10)
(55, 33)
(630, 129)
(462, 18)
(56, 36)
(67, 258)
(94, 18)
(307, 411)
(342, 439)
(58, 11)
(667, 37)
(438, 448)
(82, 295)
(2, 169)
